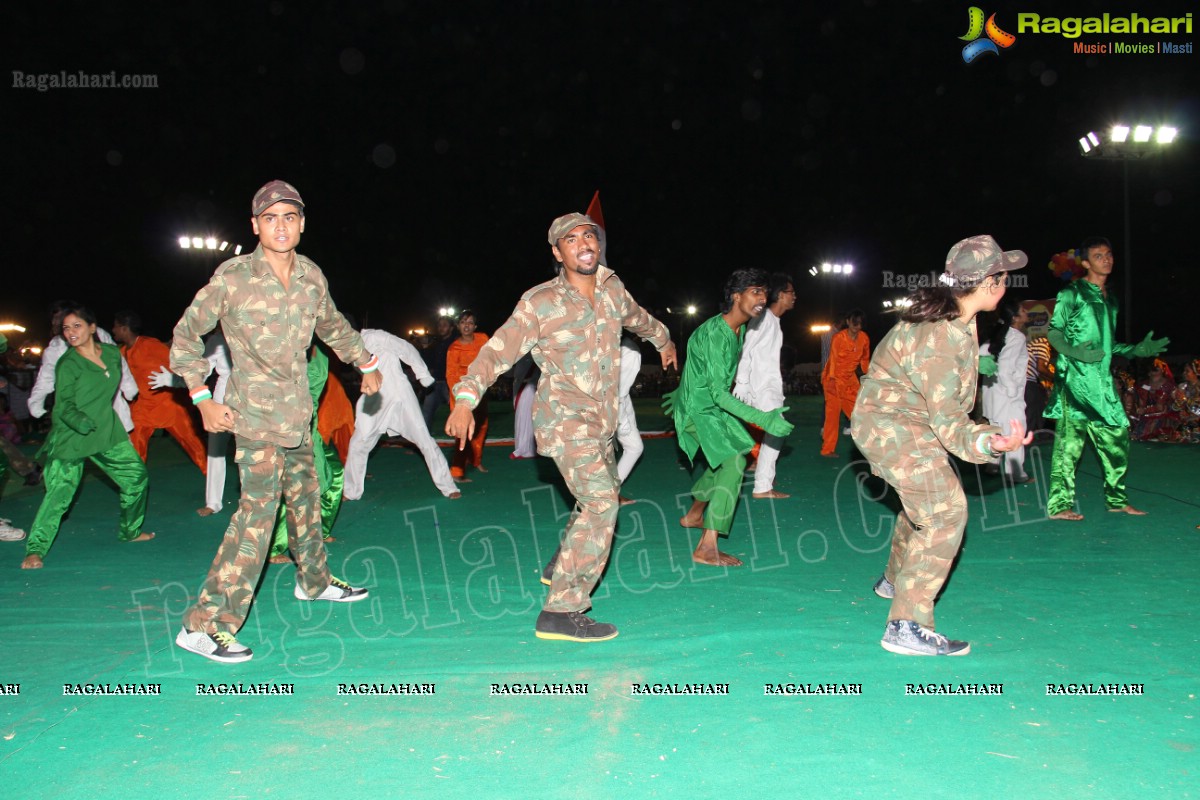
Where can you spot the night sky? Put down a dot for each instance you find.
(434, 142)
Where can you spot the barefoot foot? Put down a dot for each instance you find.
(1074, 516)
(715, 558)
(1128, 510)
(706, 552)
(32, 562)
(144, 536)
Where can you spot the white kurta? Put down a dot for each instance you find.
(628, 435)
(1004, 395)
(217, 354)
(43, 384)
(393, 411)
(524, 441)
(759, 384)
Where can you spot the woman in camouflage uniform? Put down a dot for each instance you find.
(912, 414)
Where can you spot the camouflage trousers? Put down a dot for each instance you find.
(1112, 446)
(121, 464)
(268, 472)
(926, 538)
(590, 472)
(331, 477)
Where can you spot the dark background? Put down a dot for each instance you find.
(434, 142)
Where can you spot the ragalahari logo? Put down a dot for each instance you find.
(976, 27)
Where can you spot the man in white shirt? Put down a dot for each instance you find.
(759, 381)
(394, 411)
(628, 435)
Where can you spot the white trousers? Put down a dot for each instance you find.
(629, 437)
(394, 419)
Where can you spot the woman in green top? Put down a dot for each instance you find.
(85, 426)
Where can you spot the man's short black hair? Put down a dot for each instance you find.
(740, 281)
(131, 320)
(1093, 241)
(779, 283)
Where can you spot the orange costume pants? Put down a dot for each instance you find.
(175, 420)
(835, 405)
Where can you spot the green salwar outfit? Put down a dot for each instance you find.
(85, 426)
(708, 418)
(1083, 399)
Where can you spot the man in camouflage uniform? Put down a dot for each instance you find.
(572, 324)
(269, 304)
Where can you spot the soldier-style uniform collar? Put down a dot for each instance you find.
(261, 267)
(603, 274)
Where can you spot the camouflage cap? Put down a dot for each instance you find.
(272, 193)
(569, 222)
(973, 259)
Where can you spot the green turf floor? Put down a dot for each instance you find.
(455, 591)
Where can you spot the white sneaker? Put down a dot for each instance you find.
(337, 592)
(8, 533)
(220, 646)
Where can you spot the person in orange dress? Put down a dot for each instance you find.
(155, 409)
(335, 416)
(458, 358)
(850, 350)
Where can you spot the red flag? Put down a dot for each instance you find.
(595, 212)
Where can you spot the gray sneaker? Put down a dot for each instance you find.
(221, 646)
(907, 638)
(8, 533)
(337, 592)
(884, 588)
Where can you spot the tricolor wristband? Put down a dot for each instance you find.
(370, 366)
(200, 395)
(983, 446)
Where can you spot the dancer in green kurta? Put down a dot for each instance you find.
(330, 473)
(709, 418)
(85, 426)
(1083, 400)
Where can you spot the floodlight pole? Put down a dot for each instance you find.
(1128, 259)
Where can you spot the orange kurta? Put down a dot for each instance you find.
(840, 381)
(458, 360)
(335, 416)
(155, 409)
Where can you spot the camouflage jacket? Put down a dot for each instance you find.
(917, 395)
(268, 330)
(577, 346)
